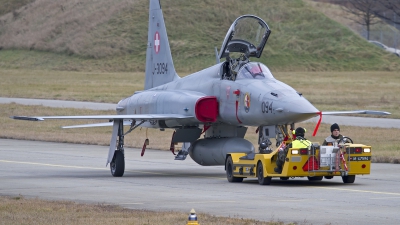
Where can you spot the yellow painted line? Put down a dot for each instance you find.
(132, 203)
(361, 191)
(96, 168)
(385, 198)
(299, 200)
(293, 200)
(53, 165)
(206, 202)
(171, 174)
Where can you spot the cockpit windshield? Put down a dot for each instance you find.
(247, 35)
(254, 70)
(250, 30)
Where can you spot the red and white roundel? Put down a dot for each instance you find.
(157, 42)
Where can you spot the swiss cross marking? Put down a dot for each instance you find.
(157, 42)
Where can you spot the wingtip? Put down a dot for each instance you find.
(26, 118)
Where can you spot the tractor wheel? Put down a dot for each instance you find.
(317, 178)
(260, 174)
(349, 179)
(229, 171)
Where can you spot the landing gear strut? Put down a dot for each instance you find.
(117, 164)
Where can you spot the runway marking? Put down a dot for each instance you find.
(138, 203)
(385, 198)
(53, 165)
(292, 200)
(362, 191)
(206, 202)
(96, 168)
(171, 174)
(299, 200)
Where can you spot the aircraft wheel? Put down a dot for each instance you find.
(117, 165)
(317, 178)
(284, 178)
(260, 174)
(349, 179)
(229, 171)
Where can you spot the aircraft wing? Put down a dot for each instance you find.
(109, 124)
(107, 117)
(371, 112)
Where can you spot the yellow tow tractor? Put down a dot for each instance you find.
(314, 162)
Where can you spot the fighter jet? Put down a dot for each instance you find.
(219, 102)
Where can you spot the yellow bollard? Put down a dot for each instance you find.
(192, 218)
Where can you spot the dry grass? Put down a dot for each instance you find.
(62, 85)
(328, 91)
(384, 142)
(70, 30)
(101, 35)
(20, 210)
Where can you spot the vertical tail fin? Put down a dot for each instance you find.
(159, 65)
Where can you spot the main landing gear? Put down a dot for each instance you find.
(117, 164)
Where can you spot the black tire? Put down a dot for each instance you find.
(349, 179)
(284, 178)
(328, 177)
(317, 178)
(260, 174)
(229, 172)
(117, 165)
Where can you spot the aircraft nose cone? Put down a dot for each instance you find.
(299, 110)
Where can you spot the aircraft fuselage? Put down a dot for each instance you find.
(247, 102)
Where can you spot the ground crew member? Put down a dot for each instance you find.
(335, 137)
(299, 142)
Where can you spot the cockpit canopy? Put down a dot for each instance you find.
(254, 70)
(248, 35)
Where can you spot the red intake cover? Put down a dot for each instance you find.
(207, 109)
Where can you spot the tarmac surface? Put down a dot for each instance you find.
(59, 171)
(342, 120)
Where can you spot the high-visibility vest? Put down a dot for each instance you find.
(301, 143)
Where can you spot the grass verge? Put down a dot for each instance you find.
(99, 35)
(20, 210)
(328, 91)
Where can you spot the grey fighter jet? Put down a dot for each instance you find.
(219, 102)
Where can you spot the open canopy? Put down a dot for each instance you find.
(248, 35)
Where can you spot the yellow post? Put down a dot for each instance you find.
(192, 218)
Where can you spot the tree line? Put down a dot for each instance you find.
(367, 12)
